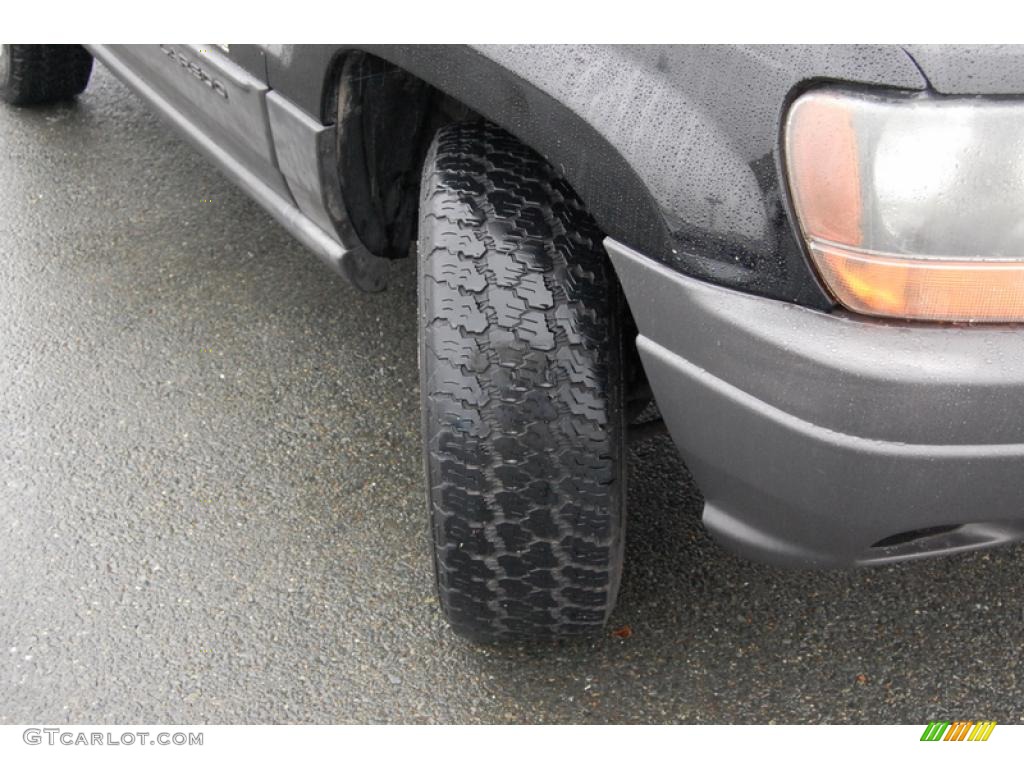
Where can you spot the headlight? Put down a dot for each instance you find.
(912, 207)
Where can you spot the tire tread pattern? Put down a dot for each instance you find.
(40, 74)
(521, 379)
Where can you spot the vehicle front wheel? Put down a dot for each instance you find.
(40, 74)
(522, 386)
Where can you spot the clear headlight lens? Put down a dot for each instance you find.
(912, 207)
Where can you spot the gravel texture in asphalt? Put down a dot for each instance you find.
(211, 505)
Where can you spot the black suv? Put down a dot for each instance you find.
(810, 258)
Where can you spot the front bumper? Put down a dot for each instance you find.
(832, 440)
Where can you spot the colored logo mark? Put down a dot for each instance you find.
(960, 730)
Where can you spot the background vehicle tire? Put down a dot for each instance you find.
(39, 74)
(522, 386)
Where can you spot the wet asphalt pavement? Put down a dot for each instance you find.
(211, 506)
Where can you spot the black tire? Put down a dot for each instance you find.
(40, 74)
(521, 379)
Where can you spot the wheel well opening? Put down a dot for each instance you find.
(386, 118)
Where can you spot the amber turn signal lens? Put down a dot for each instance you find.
(923, 289)
(823, 156)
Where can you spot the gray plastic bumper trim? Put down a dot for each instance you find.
(815, 436)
